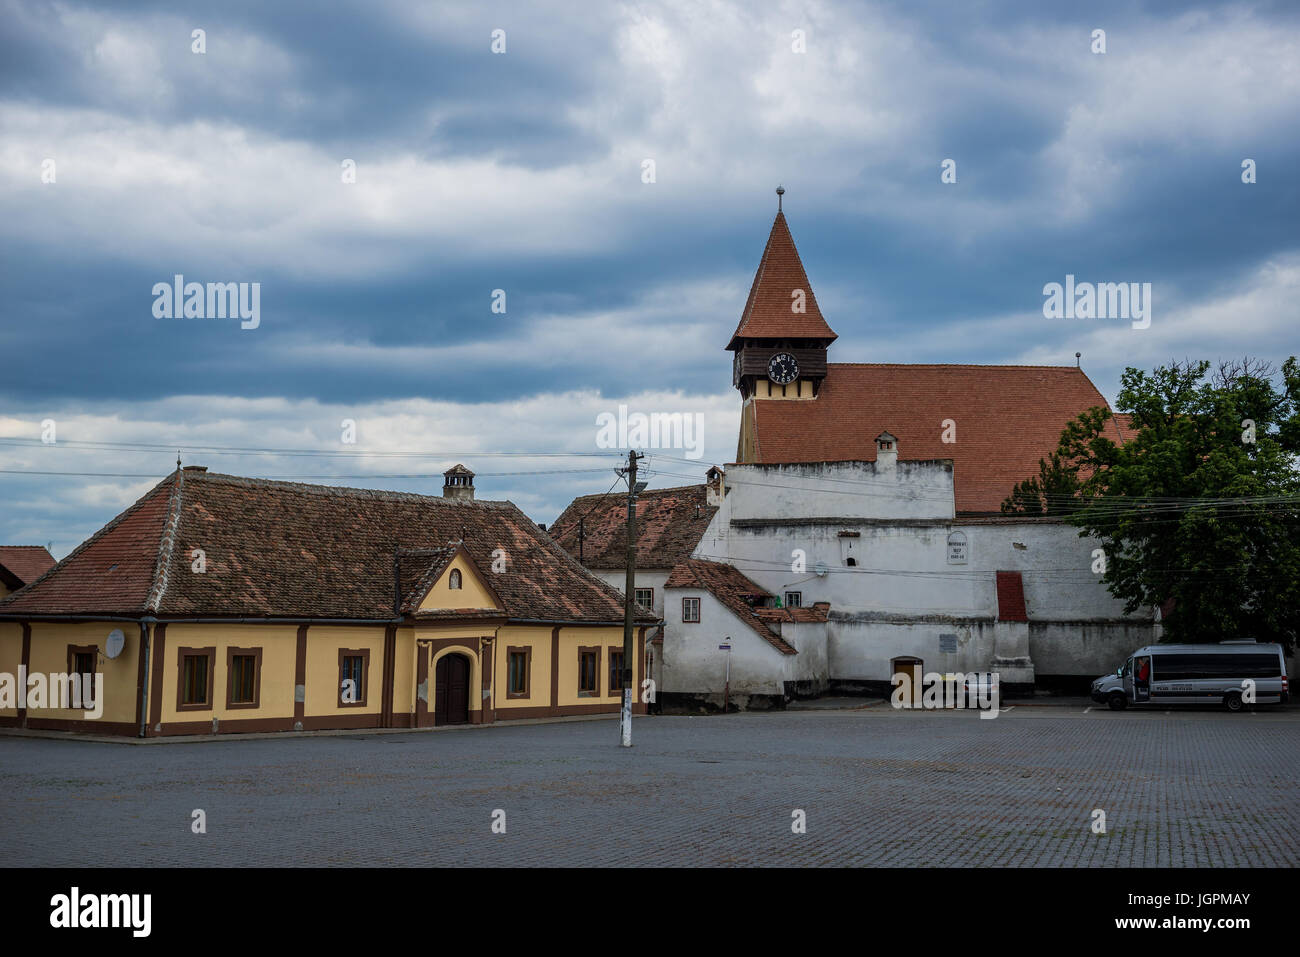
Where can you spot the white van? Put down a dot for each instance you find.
(1109, 689)
(1200, 674)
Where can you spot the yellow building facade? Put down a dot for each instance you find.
(467, 638)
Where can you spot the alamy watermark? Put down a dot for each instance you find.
(657, 430)
(129, 911)
(56, 690)
(1103, 300)
(179, 299)
(975, 690)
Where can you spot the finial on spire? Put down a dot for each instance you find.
(178, 458)
(780, 191)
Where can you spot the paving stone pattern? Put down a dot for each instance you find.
(879, 787)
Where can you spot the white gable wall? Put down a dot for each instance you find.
(654, 578)
(693, 664)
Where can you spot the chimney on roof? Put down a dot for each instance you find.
(715, 488)
(458, 483)
(886, 452)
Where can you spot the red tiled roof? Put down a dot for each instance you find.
(1011, 597)
(726, 583)
(817, 612)
(670, 522)
(1121, 427)
(111, 572)
(768, 313)
(283, 549)
(1007, 418)
(26, 563)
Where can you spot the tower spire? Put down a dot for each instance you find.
(781, 304)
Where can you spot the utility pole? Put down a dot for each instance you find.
(625, 714)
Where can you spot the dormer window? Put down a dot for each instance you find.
(453, 580)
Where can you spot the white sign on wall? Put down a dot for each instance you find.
(957, 548)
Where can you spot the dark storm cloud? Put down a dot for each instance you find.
(225, 167)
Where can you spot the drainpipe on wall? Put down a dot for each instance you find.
(146, 672)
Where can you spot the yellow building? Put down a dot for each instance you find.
(250, 605)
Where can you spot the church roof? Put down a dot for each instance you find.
(768, 313)
(1006, 418)
(291, 550)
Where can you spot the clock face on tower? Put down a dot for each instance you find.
(782, 368)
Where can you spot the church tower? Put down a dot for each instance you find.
(780, 344)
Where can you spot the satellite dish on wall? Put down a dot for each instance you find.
(821, 569)
(116, 642)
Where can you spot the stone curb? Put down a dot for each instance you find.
(282, 735)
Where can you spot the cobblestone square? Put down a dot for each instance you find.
(878, 787)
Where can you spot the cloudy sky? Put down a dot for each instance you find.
(524, 171)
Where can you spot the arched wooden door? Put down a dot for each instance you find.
(451, 690)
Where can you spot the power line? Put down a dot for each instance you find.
(90, 445)
(1059, 575)
(595, 505)
(368, 475)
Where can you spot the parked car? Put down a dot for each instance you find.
(983, 684)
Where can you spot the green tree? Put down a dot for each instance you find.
(1198, 504)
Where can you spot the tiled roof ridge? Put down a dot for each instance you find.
(959, 365)
(795, 464)
(166, 544)
(644, 493)
(344, 491)
(7, 547)
(113, 523)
